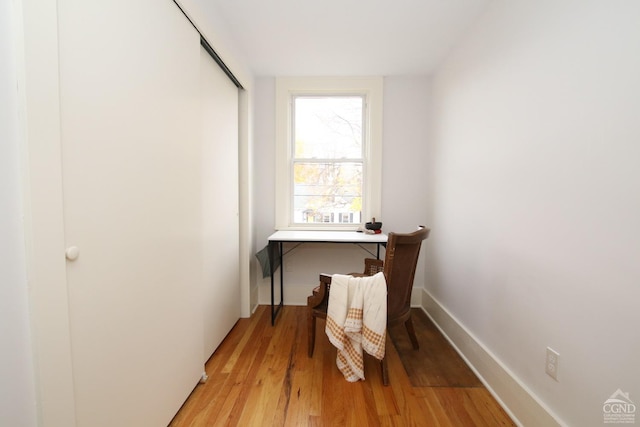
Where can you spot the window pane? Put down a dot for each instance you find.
(328, 127)
(327, 192)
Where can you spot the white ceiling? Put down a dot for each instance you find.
(346, 37)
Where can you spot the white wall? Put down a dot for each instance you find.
(404, 160)
(17, 390)
(263, 175)
(535, 200)
(404, 200)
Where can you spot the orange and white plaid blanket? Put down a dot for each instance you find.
(357, 321)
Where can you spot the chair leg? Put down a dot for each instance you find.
(385, 371)
(311, 322)
(412, 333)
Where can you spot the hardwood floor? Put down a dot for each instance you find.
(261, 376)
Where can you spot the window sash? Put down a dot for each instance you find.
(323, 123)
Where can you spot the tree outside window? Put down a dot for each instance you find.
(328, 158)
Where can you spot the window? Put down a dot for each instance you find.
(328, 152)
(327, 157)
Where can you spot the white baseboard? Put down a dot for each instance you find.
(517, 400)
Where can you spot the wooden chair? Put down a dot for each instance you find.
(399, 269)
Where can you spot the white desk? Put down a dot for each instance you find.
(307, 236)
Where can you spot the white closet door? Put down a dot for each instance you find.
(131, 152)
(221, 296)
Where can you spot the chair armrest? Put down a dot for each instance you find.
(321, 293)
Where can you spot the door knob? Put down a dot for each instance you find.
(72, 253)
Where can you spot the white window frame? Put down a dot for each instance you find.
(369, 87)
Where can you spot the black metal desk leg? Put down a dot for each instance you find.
(274, 310)
(271, 263)
(281, 278)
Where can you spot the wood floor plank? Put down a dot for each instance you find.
(261, 376)
(269, 380)
(305, 384)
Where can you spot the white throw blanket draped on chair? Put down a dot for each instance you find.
(357, 320)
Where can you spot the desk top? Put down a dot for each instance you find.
(326, 236)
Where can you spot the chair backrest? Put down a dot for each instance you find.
(400, 263)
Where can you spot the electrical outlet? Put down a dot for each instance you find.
(551, 367)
